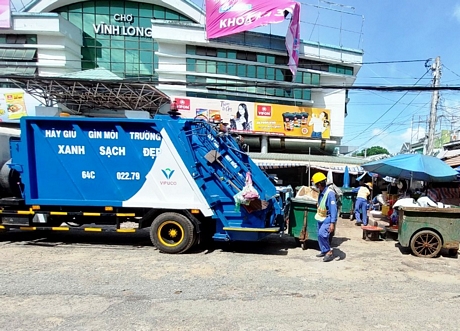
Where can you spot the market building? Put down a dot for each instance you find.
(244, 78)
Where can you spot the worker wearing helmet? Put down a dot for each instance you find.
(361, 203)
(326, 215)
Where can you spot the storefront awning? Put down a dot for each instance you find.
(338, 168)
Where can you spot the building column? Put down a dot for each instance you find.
(264, 145)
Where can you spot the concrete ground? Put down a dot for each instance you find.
(103, 281)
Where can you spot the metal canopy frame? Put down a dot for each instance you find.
(82, 96)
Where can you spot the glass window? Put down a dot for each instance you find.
(211, 67)
(251, 71)
(340, 70)
(88, 7)
(270, 91)
(222, 53)
(260, 90)
(102, 7)
(306, 78)
(76, 19)
(298, 94)
(201, 51)
(315, 79)
(201, 66)
(349, 71)
(306, 94)
(222, 68)
(241, 70)
(190, 79)
(31, 39)
(251, 56)
(271, 73)
(191, 65)
(129, 44)
(279, 92)
(131, 8)
(171, 15)
(146, 10)
(251, 89)
(191, 50)
(75, 8)
(332, 68)
(146, 45)
(279, 74)
(211, 51)
(271, 59)
(144, 22)
(231, 69)
(231, 54)
(117, 7)
(261, 58)
(261, 72)
(146, 56)
(159, 13)
(298, 77)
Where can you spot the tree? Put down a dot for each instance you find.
(374, 150)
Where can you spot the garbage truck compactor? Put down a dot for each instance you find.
(175, 176)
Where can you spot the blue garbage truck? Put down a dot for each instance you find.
(176, 176)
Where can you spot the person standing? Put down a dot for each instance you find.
(326, 215)
(361, 203)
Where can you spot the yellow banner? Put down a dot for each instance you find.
(292, 121)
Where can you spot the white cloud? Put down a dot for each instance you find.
(456, 13)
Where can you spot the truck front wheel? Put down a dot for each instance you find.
(172, 233)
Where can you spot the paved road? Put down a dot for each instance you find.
(113, 282)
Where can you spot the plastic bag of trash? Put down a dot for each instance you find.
(249, 192)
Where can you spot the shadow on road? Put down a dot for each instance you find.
(271, 245)
(53, 238)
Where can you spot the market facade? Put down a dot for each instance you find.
(243, 77)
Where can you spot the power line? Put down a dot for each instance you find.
(387, 110)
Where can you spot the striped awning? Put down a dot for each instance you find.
(338, 168)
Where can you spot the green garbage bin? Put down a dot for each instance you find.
(303, 210)
(347, 203)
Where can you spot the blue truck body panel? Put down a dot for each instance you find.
(160, 163)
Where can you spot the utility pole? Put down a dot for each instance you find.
(436, 68)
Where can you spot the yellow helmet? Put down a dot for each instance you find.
(369, 185)
(318, 177)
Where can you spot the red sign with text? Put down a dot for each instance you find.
(263, 110)
(182, 104)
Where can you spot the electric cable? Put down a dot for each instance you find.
(386, 112)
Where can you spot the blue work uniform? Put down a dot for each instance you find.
(361, 207)
(323, 227)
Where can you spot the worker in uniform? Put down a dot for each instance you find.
(362, 198)
(326, 215)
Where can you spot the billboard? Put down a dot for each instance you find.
(5, 14)
(260, 118)
(15, 103)
(226, 17)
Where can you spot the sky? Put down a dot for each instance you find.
(391, 31)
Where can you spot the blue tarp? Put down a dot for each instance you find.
(413, 166)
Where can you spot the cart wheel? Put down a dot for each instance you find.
(303, 244)
(426, 244)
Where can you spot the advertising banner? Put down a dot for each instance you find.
(5, 14)
(226, 17)
(15, 103)
(258, 118)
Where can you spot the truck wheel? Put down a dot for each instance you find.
(426, 243)
(172, 233)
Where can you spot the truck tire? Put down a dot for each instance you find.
(426, 243)
(172, 233)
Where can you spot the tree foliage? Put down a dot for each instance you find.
(374, 150)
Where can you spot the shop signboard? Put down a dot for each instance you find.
(260, 118)
(15, 103)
